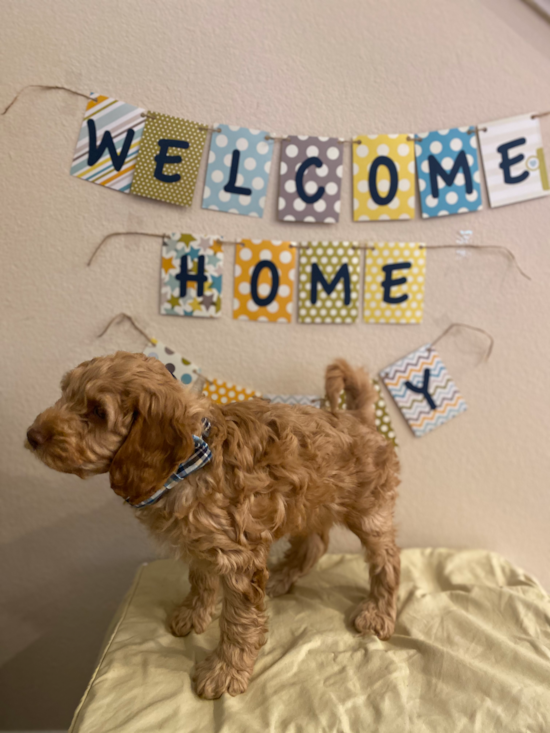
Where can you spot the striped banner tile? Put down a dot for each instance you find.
(108, 143)
(423, 390)
(513, 160)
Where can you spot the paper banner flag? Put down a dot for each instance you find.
(182, 369)
(265, 272)
(447, 165)
(423, 390)
(310, 179)
(225, 392)
(383, 177)
(168, 161)
(191, 276)
(394, 283)
(513, 159)
(381, 415)
(329, 283)
(108, 143)
(295, 399)
(239, 163)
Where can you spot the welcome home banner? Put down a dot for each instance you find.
(150, 154)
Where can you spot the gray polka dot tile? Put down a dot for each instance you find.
(310, 179)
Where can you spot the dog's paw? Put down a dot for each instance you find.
(368, 619)
(184, 620)
(213, 677)
(278, 584)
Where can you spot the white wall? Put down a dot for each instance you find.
(297, 66)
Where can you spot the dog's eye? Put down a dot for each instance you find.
(100, 412)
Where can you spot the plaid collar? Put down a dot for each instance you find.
(199, 458)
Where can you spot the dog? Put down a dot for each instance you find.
(217, 485)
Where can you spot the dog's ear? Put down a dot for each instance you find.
(159, 439)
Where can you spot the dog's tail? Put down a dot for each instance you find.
(360, 392)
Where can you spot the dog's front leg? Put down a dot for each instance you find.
(243, 627)
(195, 613)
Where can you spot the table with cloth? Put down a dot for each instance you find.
(470, 653)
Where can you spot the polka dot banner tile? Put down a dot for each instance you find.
(108, 143)
(423, 390)
(383, 177)
(447, 166)
(225, 392)
(191, 276)
(381, 416)
(513, 159)
(310, 179)
(265, 272)
(182, 369)
(238, 170)
(168, 161)
(395, 273)
(329, 283)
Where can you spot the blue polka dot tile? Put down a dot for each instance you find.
(449, 178)
(238, 170)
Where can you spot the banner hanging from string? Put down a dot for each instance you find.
(135, 150)
(326, 274)
(419, 383)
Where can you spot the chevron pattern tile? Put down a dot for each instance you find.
(295, 399)
(423, 390)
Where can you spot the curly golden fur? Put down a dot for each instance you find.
(276, 470)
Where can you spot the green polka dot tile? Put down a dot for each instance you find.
(329, 283)
(381, 417)
(169, 158)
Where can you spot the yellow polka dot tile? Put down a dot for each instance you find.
(383, 177)
(395, 273)
(265, 273)
(225, 392)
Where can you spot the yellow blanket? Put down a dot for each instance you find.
(471, 654)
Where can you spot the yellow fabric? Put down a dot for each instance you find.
(471, 654)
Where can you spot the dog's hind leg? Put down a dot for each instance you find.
(195, 613)
(299, 559)
(376, 615)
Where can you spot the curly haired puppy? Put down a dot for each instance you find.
(275, 470)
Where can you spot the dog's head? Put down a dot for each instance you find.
(124, 414)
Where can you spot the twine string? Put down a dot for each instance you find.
(118, 319)
(471, 328)
(47, 88)
(280, 138)
(418, 138)
(124, 316)
(352, 245)
(496, 247)
(120, 234)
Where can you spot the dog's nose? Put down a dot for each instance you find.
(36, 437)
